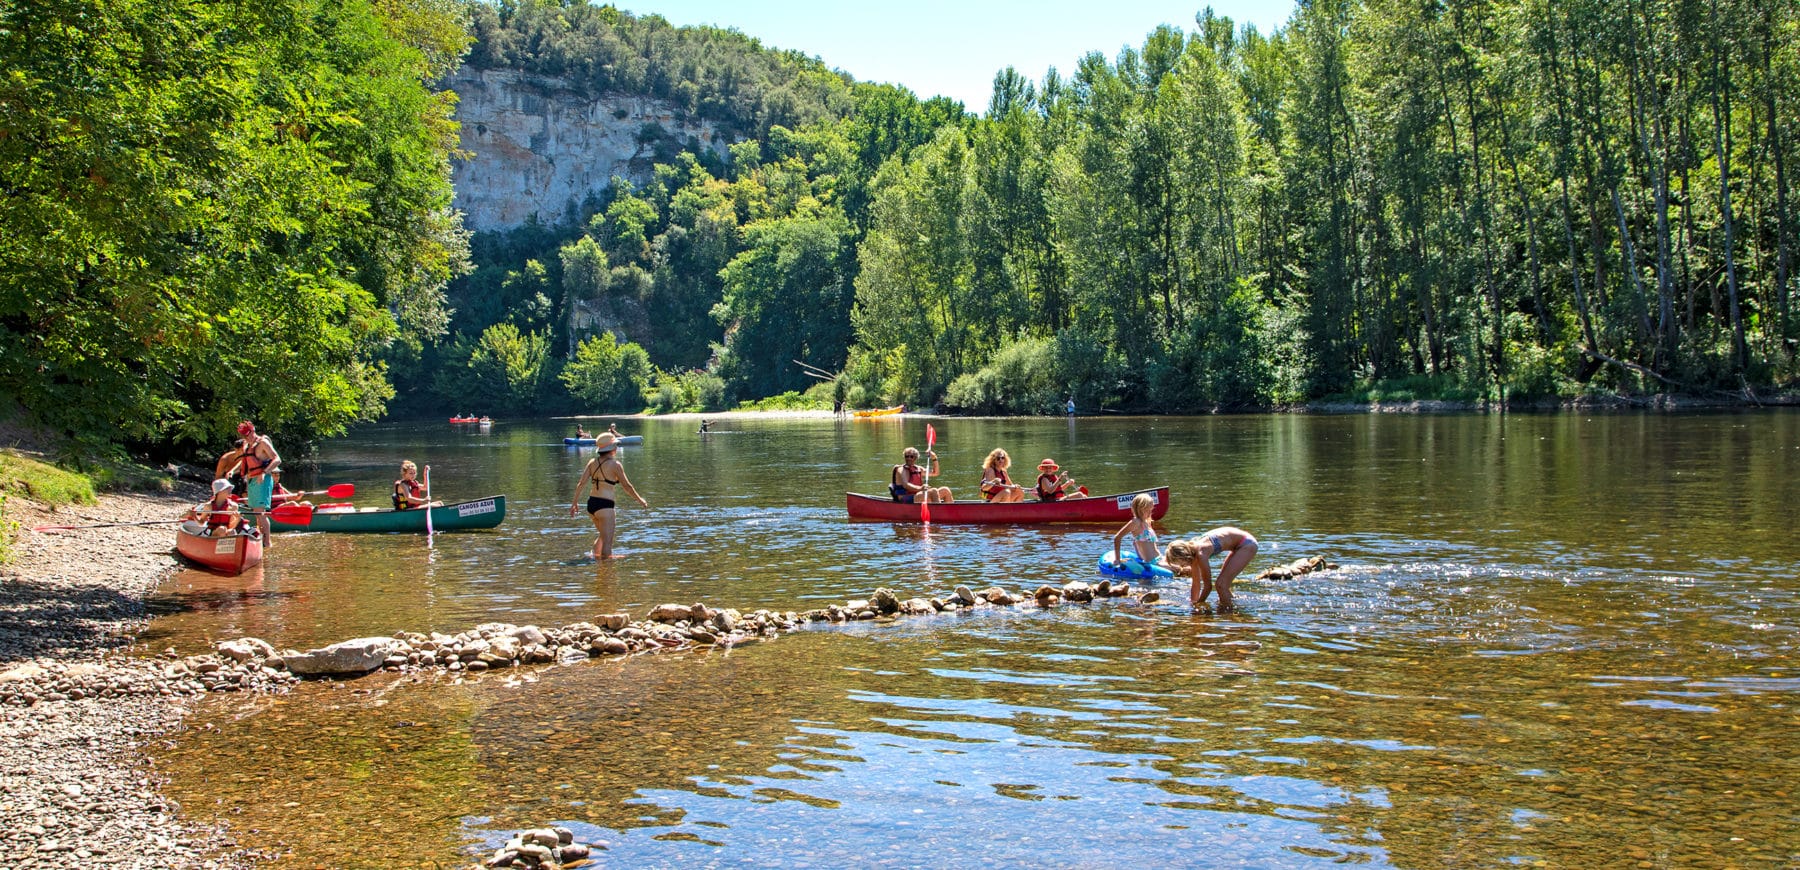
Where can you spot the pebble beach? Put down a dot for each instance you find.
(75, 788)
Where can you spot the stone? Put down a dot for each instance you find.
(965, 596)
(698, 613)
(670, 612)
(572, 852)
(1151, 597)
(917, 606)
(236, 650)
(612, 646)
(727, 620)
(1104, 589)
(541, 837)
(501, 649)
(885, 601)
(613, 621)
(535, 855)
(357, 656)
(564, 836)
(528, 635)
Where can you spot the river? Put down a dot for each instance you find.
(1558, 640)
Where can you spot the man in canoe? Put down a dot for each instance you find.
(259, 461)
(907, 482)
(599, 478)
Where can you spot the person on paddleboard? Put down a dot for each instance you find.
(907, 481)
(1192, 556)
(599, 480)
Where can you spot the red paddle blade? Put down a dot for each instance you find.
(930, 436)
(925, 512)
(342, 490)
(292, 514)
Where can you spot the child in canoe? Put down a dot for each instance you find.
(217, 516)
(1052, 483)
(1143, 535)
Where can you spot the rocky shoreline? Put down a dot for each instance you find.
(75, 787)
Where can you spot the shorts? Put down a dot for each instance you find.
(596, 503)
(260, 493)
(901, 494)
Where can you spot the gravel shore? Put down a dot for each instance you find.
(75, 787)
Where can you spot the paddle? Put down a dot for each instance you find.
(339, 490)
(925, 495)
(102, 525)
(429, 531)
(292, 514)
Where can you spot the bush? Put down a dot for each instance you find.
(792, 400)
(605, 375)
(1020, 379)
(690, 391)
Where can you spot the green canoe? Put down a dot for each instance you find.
(482, 513)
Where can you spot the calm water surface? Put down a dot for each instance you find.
(1555, 641)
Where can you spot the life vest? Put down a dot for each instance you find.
(411, 489)
(915, 474)
(992, 487)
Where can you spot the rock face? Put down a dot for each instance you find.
(540, 146)
(357, 656)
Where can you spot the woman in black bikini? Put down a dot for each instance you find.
(598, 478)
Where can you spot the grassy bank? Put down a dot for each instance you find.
(24, 477)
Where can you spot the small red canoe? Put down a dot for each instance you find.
(1094, 509)
(226, 554)
(462, 419)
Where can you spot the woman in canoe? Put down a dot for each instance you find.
(908, 481)
(598, 480)
(1192, 556)
(217, 515)
(409, 493)
(996, 485)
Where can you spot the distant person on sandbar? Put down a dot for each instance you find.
(1192, 556)
(996, 484)
(598, 480)
(907, 483)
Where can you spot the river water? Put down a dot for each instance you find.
(1561, 640)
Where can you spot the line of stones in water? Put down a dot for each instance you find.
(252, 664)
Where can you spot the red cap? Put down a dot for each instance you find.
(245, 428)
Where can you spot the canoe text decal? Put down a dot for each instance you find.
(225, 545)
(485, 506)
(1124, 501)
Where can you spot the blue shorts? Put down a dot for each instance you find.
(260, 493)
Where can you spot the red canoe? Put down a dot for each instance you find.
(226, 554)
(462, 419)
(1095, 509)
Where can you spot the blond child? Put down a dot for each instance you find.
(1143, 535)
(1192, 556)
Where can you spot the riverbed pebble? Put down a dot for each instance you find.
(541, 849)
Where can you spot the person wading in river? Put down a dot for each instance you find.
(597, 482)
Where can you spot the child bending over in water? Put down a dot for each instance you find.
(1143, 536)
(1192, 556)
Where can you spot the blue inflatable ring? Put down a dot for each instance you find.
(1133, 568)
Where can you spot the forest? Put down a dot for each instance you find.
(220, 210)
(1484, 201)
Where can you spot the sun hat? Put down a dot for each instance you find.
(1049, 464)
(221, 485)
(605, 442)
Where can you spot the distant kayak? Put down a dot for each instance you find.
(1096, 509)
(464, 419)
(622, 439)
(880, 412)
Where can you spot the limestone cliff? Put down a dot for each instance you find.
(537, 145)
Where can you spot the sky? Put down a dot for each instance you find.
(951, 48)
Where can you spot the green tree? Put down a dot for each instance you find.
(605, 375)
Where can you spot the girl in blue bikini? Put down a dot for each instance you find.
(1191, 557)
(1143, 535)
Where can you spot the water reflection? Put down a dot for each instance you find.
(1501, 673)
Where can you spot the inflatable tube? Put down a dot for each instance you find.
(1132, 568)
(574, 441)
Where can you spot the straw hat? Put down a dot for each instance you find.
(605, 442)
(1048, 465)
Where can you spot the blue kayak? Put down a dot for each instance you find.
(623, 439)
(1132, 568)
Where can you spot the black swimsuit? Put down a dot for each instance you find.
(596, 503)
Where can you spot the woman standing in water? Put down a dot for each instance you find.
(602, 474)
